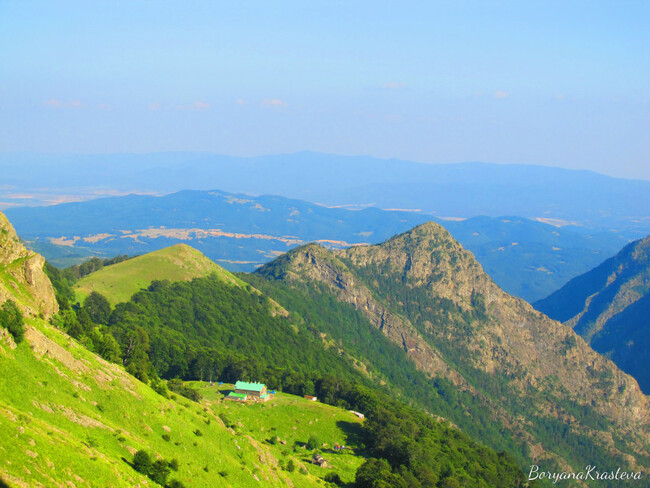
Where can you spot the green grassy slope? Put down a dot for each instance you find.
(68, 416)
(285, 424)
(176, 263)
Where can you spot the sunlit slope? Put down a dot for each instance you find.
(286, 422)
(21, 275)
(67, 416)
(120, 281)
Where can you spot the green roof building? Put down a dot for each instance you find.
(236, 397)
(257, 391)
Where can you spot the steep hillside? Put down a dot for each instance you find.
(542, 383)
(176, 263)
(21, 275)
(67, 416)
(609, 307)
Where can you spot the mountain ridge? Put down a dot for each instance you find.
(68, 416)
(571, 195)
(606, 307)
(475, 328)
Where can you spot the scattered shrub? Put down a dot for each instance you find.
(159, 472)
(160, 387)
(166, 437)
(11, 318)
(177, 386)
(333, 478)
(313, 443)
(142, 462)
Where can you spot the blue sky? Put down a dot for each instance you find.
(533, 82)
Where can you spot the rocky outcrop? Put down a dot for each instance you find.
(22, 278)
(315, 263)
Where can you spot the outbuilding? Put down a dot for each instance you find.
(236, 397)
(319, 460)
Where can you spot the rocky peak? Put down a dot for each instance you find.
(430, 296)
(426, 256)
(22, 278)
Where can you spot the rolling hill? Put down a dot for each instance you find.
(120, 281)
(609, 307)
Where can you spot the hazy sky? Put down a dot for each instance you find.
(562, 83)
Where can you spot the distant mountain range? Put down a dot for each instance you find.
(445, 190)
(609, 307)
(527, 258)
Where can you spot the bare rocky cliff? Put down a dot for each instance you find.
(430, 296)
(22, 278)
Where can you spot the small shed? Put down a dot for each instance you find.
(311, 398)
(358, 414)
(318, 459)
(236, 397)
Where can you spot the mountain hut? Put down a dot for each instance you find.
(254, 391)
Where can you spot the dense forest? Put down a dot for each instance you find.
(410, 449)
